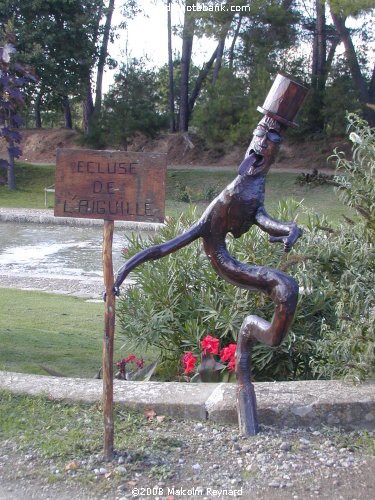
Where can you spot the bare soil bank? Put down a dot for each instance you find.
(39, 146)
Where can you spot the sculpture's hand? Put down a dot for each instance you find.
(115, 291)
(294, 233)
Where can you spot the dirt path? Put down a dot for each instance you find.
(221, 168)
(275, 169)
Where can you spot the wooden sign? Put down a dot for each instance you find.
(110, 185)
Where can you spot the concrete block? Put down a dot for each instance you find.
(310, 403)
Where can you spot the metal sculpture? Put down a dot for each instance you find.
(235, 210)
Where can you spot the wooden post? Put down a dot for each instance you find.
(108, 338)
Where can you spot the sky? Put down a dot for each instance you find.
(148, 37)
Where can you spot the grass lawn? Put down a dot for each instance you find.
(184, 184)
(63, 430)
(61, 333)
(31, 181)
(68, 435)
(280, 185)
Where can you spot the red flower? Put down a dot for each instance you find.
(232, 365)
(228, 354)
(210, 345)
(139, 362)
(123, 362)
(189, 361)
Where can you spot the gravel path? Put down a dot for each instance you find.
(91, 289)
(204, 461)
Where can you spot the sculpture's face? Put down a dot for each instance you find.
(265, 144)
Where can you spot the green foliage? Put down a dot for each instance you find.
(357, 187)
(350, 8)
(220, 109)
(203, 192)
(330, 102)
(226, 112)
(56, 38)
(316, 178)
(334, 111)
(347, 344)
(132, 105)
(179, 299)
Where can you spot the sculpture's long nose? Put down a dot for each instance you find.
(264, 142)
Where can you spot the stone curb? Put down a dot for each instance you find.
(312, 403)
(40, 216)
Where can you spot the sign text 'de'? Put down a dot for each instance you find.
(112, 185)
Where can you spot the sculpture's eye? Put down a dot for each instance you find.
(273, 136)
(260, 132)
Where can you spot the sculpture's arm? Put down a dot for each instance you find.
(285, 232)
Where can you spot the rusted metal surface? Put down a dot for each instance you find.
(239, 206)
(112, 185)
(284, 100)
(108, 339)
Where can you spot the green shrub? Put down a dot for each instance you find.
(346, 346)
(357, 187)
(223, 114)
(132, 105)
(179, 299)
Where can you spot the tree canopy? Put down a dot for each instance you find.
(323, 44)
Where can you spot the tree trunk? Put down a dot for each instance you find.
(233, 44)
(318, 73)
(37, 115)
(67, 112)
(187, 46)
(219, 59)
(351, 56)
(220, 48)
(103, 56)
(11, 170)
(331, 55)
(199, 81)
(172, 123)
(88, 103)
(372, 86)
(321, 43)
(87, 106)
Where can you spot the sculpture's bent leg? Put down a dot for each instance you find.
(283, 290)
(155, 252)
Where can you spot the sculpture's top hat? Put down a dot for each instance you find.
(284, 100)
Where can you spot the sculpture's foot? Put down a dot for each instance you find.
(247, 410)
(251, 328)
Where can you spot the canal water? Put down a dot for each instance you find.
(55, 251)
